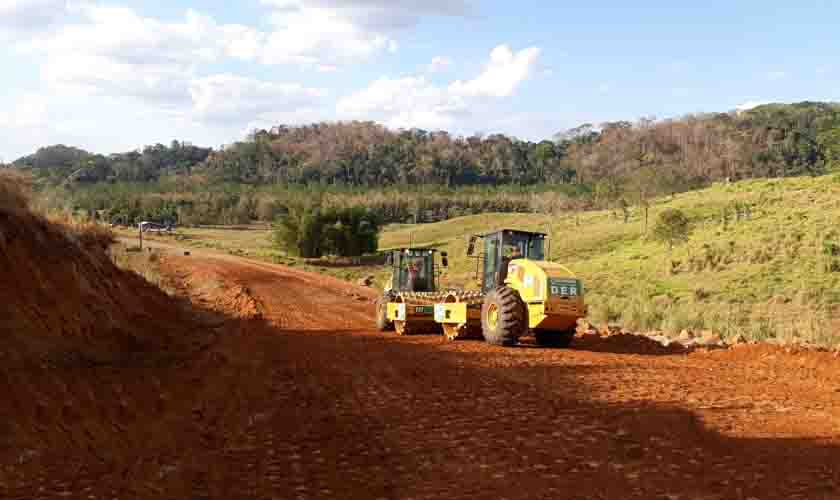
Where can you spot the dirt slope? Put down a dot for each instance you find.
(299, 398)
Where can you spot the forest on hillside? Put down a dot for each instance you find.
(403, 172)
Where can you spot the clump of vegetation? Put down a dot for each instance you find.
(672, 227)
(311, 232)
(145, 264)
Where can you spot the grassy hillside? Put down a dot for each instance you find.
(772, 272)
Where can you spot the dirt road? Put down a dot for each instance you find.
(302, 399)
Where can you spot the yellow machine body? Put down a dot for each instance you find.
(551, 292)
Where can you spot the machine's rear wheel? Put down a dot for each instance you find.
(547, 338)
(383, 324)
(503, 318)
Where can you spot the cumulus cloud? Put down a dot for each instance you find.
(332, 32)
(29, 111)
(114, 51)
(748, 105)
(380, 15)
(18, 17)
(318, 36)
(502, 75)
(97, 52)
(416, 102)
(404, 102)
(229, 97)
(119, 42)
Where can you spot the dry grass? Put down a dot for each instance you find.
(146, 264)
(15, 192)
(15, 196)
(87, 234)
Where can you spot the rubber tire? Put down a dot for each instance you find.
(547, 338)
(382, 322)
(511, 323)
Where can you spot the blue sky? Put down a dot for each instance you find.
(115, 75)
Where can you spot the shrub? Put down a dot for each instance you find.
(672, 227)
(309, 232)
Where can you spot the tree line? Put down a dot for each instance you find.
(418, 175)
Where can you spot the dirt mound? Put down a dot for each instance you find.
(86, 350)
(62, 297)
(626, 343)
(238, 298)
(214, 292)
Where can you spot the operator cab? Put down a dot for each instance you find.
(413, 270)
(501, 247)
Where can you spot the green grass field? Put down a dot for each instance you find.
(772, 272)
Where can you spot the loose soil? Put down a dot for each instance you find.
(278, 387)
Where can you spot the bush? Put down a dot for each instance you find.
(309, 232)
(672, 227)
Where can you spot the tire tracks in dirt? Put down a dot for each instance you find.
(309, 402)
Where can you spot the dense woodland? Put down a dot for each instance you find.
(416, 174)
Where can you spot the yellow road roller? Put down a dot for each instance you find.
(521, 293)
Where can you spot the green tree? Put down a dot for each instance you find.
(672, 227)
(829, 140)
(308, 231)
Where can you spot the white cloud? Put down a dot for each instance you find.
(439, 63)
(502, 75)
(404, 103)
(333, 32)
(229, 97)
(378, 15)
(22, 16)
(748, 105)
(98, 59)
(116, 52)
(319, 36)
(29, 111)
(415, 102)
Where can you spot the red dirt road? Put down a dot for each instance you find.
(299, 398)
